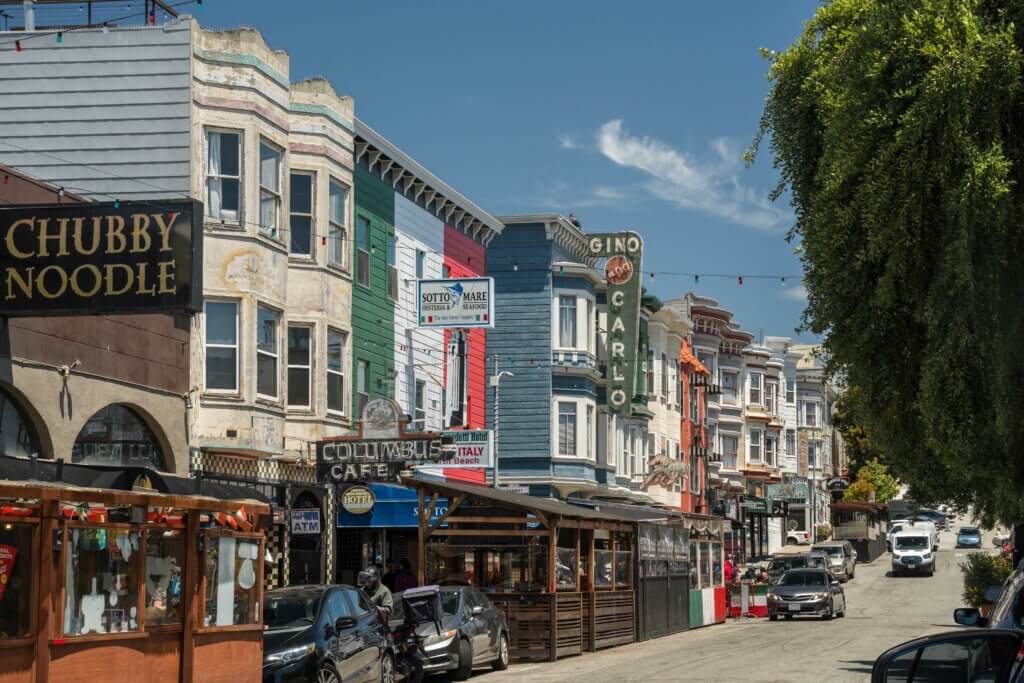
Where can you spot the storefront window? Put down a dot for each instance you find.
(623, 561)
(17, 436)
(165, 562)
(648, 542)
(233, 569)
(716, 566)
(705, 565)
(566, 561)
(16, 572)
(116, 435)
(694, 567)
(603, 560)
(666, 550)
(101, 581)
(679, 553)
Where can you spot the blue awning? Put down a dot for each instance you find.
(394, 506)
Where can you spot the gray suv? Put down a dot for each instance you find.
(842, 558)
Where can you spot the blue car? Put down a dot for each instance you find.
(968, 537)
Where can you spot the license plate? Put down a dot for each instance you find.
(794, 608)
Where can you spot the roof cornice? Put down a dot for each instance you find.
(410, 179)
(558, 230)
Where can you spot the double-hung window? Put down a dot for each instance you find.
(223, 175)
(363, 251)
(694, 410)
(754, 452)
(270, 188)
(812, 454)
(791, 391)
(267, 323)
(755, 388)
(694, 475)
(650, 371)
(300, 362)
(362, 378)
(338, 221)
(769, 451)
(420, 416)
(664, 376)
(728, 387)
(335, 372)
(222, 345)
(730, 446)
(421, 258)
(770, 390)
(590, 432)
(566, 428)
(810, 414)
(392, 263)
(300, 213)
(790, 442)
(567, 321)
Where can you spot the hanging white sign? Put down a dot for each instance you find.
(468, 448)
(455, 302)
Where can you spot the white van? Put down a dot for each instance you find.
(897, 526)
(912, 551)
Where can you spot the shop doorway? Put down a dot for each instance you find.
(359, 548)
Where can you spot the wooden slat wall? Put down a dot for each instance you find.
(613, 619)
(529, 621)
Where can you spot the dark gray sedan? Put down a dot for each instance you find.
(806, 592)
(474, 633)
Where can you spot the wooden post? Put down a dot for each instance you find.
(190, 586)
(611, 544)
(421, 550)
(553, 586)
(579, 587)
(591, 562)
(48, 579)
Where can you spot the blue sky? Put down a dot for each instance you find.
(632, 115)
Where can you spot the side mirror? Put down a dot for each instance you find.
(477, 610)
(992, 594)
(967, 616)
(974, 655)
(343, 623)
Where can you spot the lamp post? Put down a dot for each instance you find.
(814, 438)
(496, 383)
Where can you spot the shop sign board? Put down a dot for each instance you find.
(753, 504)
(357, 500)
(455, 302)
(837, 484)
(394, 507)
(623, 254)
(105, 257)
(788, 490)
(470, 448)
(380, 450)
(305, 522)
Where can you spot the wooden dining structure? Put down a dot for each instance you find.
(125, 582)
(571, 576)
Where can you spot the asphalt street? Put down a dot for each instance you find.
(883, 611)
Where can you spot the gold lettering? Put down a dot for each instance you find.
(25, 283)
(79, 246)
(140, 233)
(15, 252)
(77, 288)
(110, 278)
(61, 236)
(165, 277)
(41, 282)
(142, 281)
(115, 229)
(165, 229)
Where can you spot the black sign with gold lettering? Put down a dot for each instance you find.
(110, 257)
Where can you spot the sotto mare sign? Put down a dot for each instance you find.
(105, 257)
(623, 252)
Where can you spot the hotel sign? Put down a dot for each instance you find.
(110, 257)
(458, 302)
(380, 451)
(623, 252)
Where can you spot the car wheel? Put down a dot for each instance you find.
(387, 668)
(789, 617)
(465, 669)
(791, 541)
(327, 674)
(828, 615)
(773, 617)
(501, 663)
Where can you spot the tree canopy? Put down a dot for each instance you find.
(895, 127)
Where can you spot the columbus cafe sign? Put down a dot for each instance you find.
(623, 252)
(380, 450)
(110, 257)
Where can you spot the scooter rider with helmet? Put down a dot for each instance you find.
(380, 596)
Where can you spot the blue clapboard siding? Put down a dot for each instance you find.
(519, 260)
(105, 114)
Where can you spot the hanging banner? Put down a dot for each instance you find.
(458, 302)
(623, 252)
(471, 448)
(103, 257)
(8, 553)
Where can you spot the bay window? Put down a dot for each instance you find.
(791, 391)
(754, 451)
(223, 175)
(566, 428)
(730, 448)
(300, 213)
(810, 414)
(755, 388)
(729, 386)
(221, 345)
(338, 221)
(270, 187)
(335, 372)
(567, 321)
(769, 451)
(790, 442)
(664, 376)
(770, 390)
(267, 323)
(300, 361)
(650, 372)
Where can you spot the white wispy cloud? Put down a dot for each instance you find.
(798, 293)
(566, 141)
(711, 186)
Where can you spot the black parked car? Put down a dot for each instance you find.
(326, 634)
(474, 632)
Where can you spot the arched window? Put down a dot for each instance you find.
(17, 435)
(116, 435)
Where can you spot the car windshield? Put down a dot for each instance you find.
(449, 605)
(912, 543)
(787, 563)
(969, 531)
(803, 578)
(290, 610)
(834, 551)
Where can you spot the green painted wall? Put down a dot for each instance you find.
(373, 313)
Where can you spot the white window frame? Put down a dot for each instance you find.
(337, 242)
(312, 175)
(559, 404)
(361, 252)
(735, 388)
(771, 394)
(791, 445)
(237, 218)
(419, 402)
(769, 451)
(590, 410)
(755, 392)
(813, 407)
(585, 310)
(664, 375)
(333, 372)
(649, 371)
(568, 312)
(391, 266)
(735, 455)
(276, 355)
(273, 194)
(755, 442)
(236, 347)
(362, 383)
(812, 460)
(790, 391)
(289, 366)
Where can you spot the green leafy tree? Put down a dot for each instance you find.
(859, 449)
(896, 129)
(876, 475)
(859, 490)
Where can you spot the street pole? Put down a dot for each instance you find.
(496, 383)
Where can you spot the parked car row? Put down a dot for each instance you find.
(334, 634)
